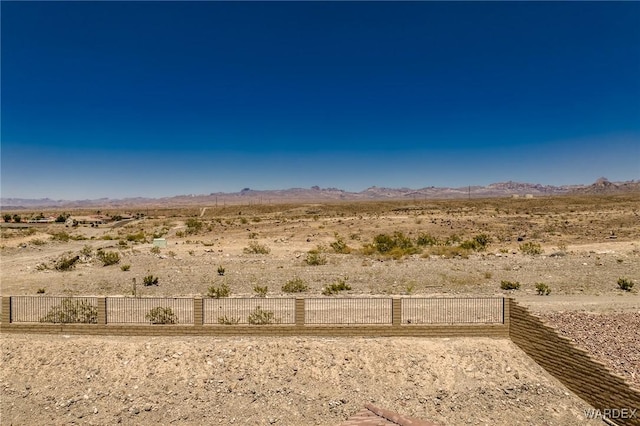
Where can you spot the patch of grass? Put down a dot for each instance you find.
(477, 243)
(531, 248)
(224, 320)
(260, 316)
(108, 257)
(219, 292)
(261, 291)
(625, 284)
(424, 240)
(150, 280)
(296, 285)
(155, 250)
(138, 237)
(315, 257)
(543, 289)
(509, 285)
(161, 315)
(125, 268)
(256, 248)
(72, 311)
(337, 287)
(221, 270)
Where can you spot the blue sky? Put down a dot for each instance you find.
(120, 99)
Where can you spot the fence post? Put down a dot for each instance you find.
(198, 316)
(6, 310)
(102, 310)
(506, 311)
(396, 312)
(299, 312)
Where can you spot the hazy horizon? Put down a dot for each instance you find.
(156, 99)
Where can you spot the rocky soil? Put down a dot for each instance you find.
(287, 381)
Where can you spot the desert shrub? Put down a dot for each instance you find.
(315, 257)
(138, 237)
(338, 286)
(625, 284)
(256, 248)
(108, 257)
(7, 217)
(193, 226)
(220, 270)
(218, 292)
(477, 243)
(261, 291)
(339, 246)
(60, 236)
(150, 280)
(531, 248)
(86, 250)
(72, 311)
(155, 250)
(38, 242)
(125, 268)
(543, 289)
(40, 291)
(296, 285)
(260, 316)
(426, 240)
(161, 315)
(66, 262)
(509, 285)
(224, 320)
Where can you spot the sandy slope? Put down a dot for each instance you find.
(284, 381)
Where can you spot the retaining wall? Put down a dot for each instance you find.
(591, 380)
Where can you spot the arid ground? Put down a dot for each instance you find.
(581, 248)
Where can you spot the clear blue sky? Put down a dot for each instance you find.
(118, 99)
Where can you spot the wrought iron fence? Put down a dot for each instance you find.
(52, 309)
(257, 311)
(482, 310)
(348, 311)
(146, 310)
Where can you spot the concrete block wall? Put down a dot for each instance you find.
(576, 369)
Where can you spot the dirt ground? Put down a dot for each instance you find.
(587, 244)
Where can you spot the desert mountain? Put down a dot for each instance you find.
(317, 194)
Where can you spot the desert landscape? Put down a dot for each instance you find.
(571, 259)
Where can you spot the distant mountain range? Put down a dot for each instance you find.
(317, 194)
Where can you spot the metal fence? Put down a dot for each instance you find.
(54, 309)
(348, 311)
(481, 310)
(146, 310)
(229, 311)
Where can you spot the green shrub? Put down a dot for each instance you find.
(218, 292)
(161, 315)
(72, 311)
(194, 226)
(137, 237)
(531, 248)
(625, 284)
(256, 248)
(61, 236)
(220, 270)
(426, 240)
(338, 286)
(339, 246)
(543, 289)
(315, 257)
(66, 263)
(150, 280)
(108, 257)
(224, 320)
(125, 268)
(261, 291)
(260, 316)
(477, 243)
(296, 285)
(509, 285)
